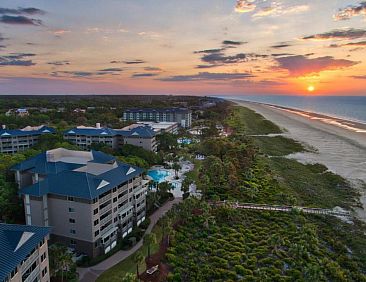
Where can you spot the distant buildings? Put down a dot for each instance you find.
(21, 112)
(89, 198)
(24, 253)
(141, 136)
(15, 140)
(182, 116)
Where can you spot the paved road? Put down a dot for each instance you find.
(280, 208)
(90, 274)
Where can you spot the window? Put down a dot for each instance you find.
(96, 233)
(43, 256)
(72, 220)
(12, 274)
(114, 189)
(115, 219)
(44, 271)
(114, 199)
(71, 199)
(71, 210)
(96, 222)
(115, 209)
(72, 242)
(72, 231)
(95, 211)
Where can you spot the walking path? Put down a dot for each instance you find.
(90, 274)
(237, 205)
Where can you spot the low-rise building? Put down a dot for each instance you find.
(88, 198)
(161, 127)
(22, 112)
(182, 116)
(15, 140)
(140, 135)
(24, 253)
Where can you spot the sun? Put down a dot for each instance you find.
(311, 88)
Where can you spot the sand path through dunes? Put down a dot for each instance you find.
(342, 151)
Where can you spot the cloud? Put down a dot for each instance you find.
(207, 66)
(112, 70)
(277, 10)
(19, 20)
(220, 58)
(152, 69)
(59, 63)
(17, 59)
(350, 33)
(147, 74)
(60, 32)
(351, 11)
(244, 6)
(209, 76)
(209, 51)
(22, 11)
(231, 42)
(281, 45)
(299, 65)
(351, 44)
(359, 76)
(76, 74)
(132, 62)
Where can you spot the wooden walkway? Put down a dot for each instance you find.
(264, 207)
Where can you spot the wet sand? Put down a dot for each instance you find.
(339, 144)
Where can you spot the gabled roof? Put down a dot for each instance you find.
(16, 243)
(143, 131)
(104, 131)
(25, 132)
(86, 176)
(139, 131)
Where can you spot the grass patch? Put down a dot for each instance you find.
(117, 272)
(313, 185)
(278, 145)
(246, 121)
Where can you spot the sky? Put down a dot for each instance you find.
(190, 47)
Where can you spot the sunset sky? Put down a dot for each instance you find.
(183, 47)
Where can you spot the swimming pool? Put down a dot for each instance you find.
(158, 175)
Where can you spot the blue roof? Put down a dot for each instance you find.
(157, 110)
(76, 179)
(5, 133)
(91, 131)
(143, 131)
(16, 243)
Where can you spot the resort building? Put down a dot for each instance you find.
(182, 116)
(140, 135)
(15, 140)
(88, 198)
(24, 253)
(161, 127)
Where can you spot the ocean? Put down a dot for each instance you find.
(351, 108)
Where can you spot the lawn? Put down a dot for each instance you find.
(119, 270)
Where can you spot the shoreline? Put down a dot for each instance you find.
(340, 149)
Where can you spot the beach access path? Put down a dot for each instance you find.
(90, 274)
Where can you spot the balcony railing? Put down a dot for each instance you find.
(33, 275)
(105, 220)
(105, 198)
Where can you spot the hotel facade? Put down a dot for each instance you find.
(24, 253)
(17, 140)
(182, 116)
(88, 198)
(142, 136)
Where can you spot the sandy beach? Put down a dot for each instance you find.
(339, 144)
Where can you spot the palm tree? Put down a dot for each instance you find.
(60, 260)
(65, 261)
(149, 239)
(176, 166)
(138, 258)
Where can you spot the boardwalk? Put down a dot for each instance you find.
(91, 274)
(265, 207)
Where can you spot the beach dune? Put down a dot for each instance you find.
(340, 145)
